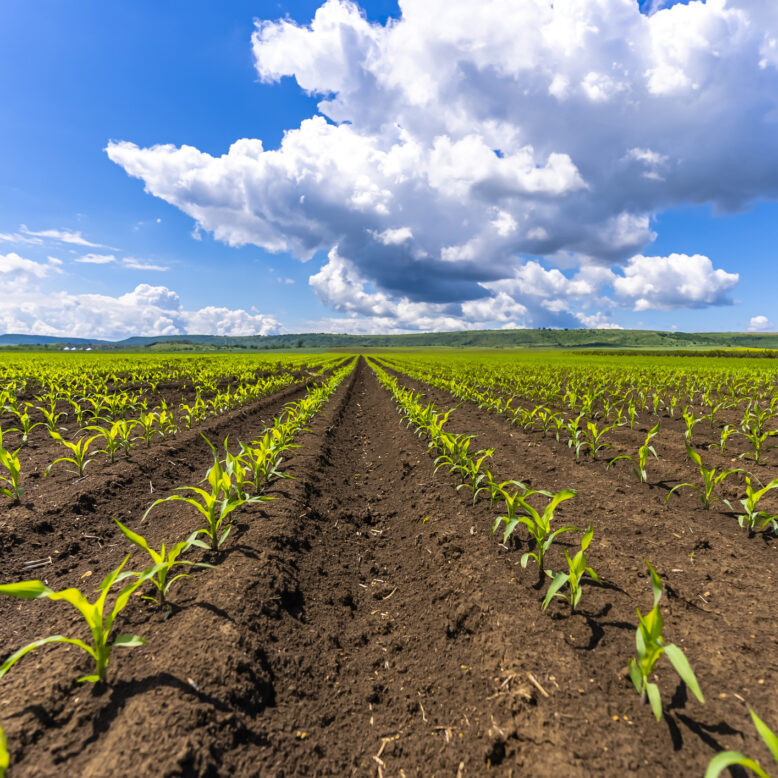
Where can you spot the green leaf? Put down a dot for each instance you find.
(509, 527)
(635, 675)
(679, 486)
(593, 575)
(4, 758)
(15, 657)
(693, 455)
(560, 579)
(27, 590)
(656, 583)
(684, 669)
(655, 700)
(726, 759)
(564, 494)
(88, 679)
(771, 741)
(78, 601)
(133, 537)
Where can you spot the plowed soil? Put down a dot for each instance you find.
(366, 623)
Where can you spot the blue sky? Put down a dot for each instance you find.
(76, 77)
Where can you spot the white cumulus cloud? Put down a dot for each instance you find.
(146, 310)
(458, 144)
(677, 281)
(760, 324)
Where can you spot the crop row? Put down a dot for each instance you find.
(232, 481)
(453, 453)
(551, 398)
(111, 423)
(587, 436)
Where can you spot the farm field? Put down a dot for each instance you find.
(379, 614)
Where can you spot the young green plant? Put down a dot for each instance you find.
(710, 480)
(10, 461)
(639, 468)
(727, 759)
(593, 439)
(79, 449)
(539, 526)
(753, 518)
(163, 562)
(513, 503)
(99, 621)
(4, 758)
(215, 506)
(577, 568)
(650, 647)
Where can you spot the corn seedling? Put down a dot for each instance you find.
(147, 422)
(513, 503)
(539, 526)
(710, 480)
(727, 759)
(263, 457)
(78, 411)
(52, 419)
(650, 647)
(163, 562)
(691, 422)
(639, 468)
(525, 417)
(79, 449)
(471, 472)
(752, 518)
(10, 461)
(757, 440)
(726, 433)
(234, 467)
(755, 418)
(99, 621)
(558, 422)
(215, 506)
(167, 423)
(115, 437)
(26, 426)
(573, 427)
(577, 568)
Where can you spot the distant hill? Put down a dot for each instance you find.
(42, 340)
(532, 339)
